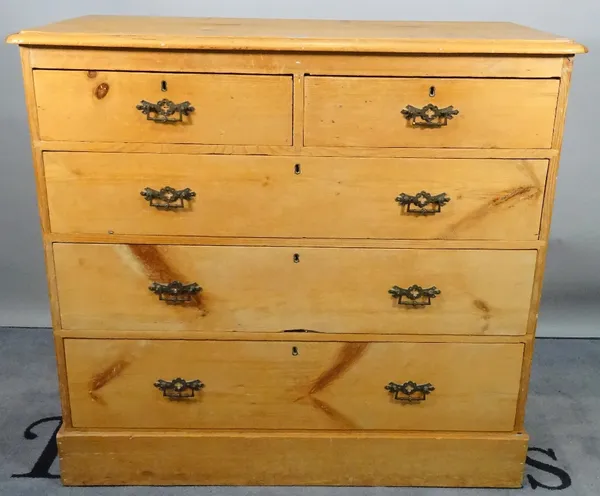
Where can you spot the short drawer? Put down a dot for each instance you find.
(109, 106)
(368, 112)
(294, 196)
(273, 289)
(286, 385)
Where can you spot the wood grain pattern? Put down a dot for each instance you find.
(536, 296)
(337, 386)
(329, 290)
(38, 170)
(298, 111)
(326, 95)
(350, 111)
(298, 335)
(299, 63)
(425, 244)
(264, 196)
(288, 458)
(524, 389)
(230, 109)
(296, 35)
(559, 127)
(304, 151)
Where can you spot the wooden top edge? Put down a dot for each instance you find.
(172, 33)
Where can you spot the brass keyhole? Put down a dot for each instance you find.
(294, 351)
(432, 91)
(297, 169)
(296, 258)
(163, 86)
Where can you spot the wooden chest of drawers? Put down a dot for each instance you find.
(316, 246)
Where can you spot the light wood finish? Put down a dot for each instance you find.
(329, 290)
(525, 377)
(493, 113)
(298, 112)
(299, 63)
(229, 109)
(44, 223)
(63, 387)
(327, 95)
(323, 198)
(288, 458)
(425, 244)
(297, 35)
(559, 126)
(298, 335)
(358, 152)
(337, 386)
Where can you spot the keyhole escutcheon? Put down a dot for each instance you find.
(294, 351)
(163, 85)
(296, 258)
(432, 91)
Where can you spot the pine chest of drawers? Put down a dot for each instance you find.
(294, 252)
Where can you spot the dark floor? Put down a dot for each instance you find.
(563, 419)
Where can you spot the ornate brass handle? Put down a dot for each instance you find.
(179, 388)
(175, 293)
(430, 115)
(167, 198)
(410, 391)
(163, 110)
(415, 295)
(420, 202)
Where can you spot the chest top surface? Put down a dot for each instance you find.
(297, 35)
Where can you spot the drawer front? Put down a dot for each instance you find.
(282, 385)
(493, 113)
(102, 106)
(268, 289)
(294, 196)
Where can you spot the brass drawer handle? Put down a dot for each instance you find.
(430, 115)
(167, 198)
(420, 202)
(410, 391)
(179, 388)
(175, 293)
(163, 110)
(415, 295)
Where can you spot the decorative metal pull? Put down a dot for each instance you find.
(179, 388)
(410, 391)
(420, 202)
(167, 198)
(415, 295)
(175, 293)
(430, 115)
(163, 110)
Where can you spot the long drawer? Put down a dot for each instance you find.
(164, 107)
(430, 112)
(294, 196)
(271, 289)
(283, 385)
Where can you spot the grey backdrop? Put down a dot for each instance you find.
(572, 285)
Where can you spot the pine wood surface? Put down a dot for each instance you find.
(279, 385)
(298, 63)
(294, 197)
(326, 95)
(297, 35)
(493, 113)
(288, 458)
(261, 289)
(101, 106)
